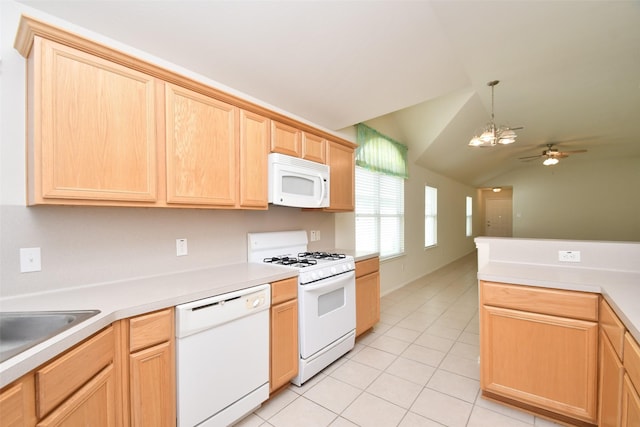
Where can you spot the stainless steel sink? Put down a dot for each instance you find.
(22, 330)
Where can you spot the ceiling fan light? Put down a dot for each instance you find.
(550, 161)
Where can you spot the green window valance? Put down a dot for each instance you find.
(379, 153)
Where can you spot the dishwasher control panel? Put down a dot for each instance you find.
(256, 300)
(200, 315)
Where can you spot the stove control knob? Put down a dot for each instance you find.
(320, 274)
(333, 271)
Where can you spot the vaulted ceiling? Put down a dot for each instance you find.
(569, 71)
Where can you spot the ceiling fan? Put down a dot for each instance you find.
(551, 155)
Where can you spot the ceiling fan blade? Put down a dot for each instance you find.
(530, 157)
(573, 151)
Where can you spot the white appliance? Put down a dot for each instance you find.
(326, 296)
(297, 182)
(222, 357)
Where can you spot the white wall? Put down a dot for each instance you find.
(579, 200)
(83, 245)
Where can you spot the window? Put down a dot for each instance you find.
(381, 168)
(430, 216)
(469, 216)
(379, 213)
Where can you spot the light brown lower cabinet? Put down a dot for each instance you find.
(535, 357)
(94, 404)
(611, 376)
(123, 375)
(151, 369)
(630, 391)
(630, 405)
(367, 294)
(283, 365)
(17, 403)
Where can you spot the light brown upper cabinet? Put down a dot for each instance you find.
(91, 128)
(202, 149)
(285, 139)
(341, 160)
(216, 153)
(314, 148)
(254, 147)
(107, 128)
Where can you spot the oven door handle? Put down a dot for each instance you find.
(330, 283)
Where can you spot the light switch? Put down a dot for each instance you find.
(30, 260)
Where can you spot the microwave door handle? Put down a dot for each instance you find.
(323, 184)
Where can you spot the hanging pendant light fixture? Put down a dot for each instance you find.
(492, 134)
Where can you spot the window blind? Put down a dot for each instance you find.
(379, 213)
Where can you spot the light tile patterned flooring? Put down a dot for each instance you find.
(418, 367)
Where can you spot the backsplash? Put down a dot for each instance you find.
(86, 245)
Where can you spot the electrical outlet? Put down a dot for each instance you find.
(317, 235)
(569, 256)
(30, 260)
(181, 247)
(312, 235)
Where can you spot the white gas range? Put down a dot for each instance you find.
(326, 296)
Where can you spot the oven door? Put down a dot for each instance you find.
(327, 311)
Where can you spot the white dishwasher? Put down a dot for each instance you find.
(222, 357)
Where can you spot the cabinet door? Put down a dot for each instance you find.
(93, 405)
(254, 147)
(630, 405)
(93, 128)
(546, 361)
(284, 343)
(202, 149)
(341, 161)
(17, 403)
(314, 148)
(367, 302)
(152, 386)
(611, 376)
(285, 139)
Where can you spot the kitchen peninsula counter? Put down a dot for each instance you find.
(608, 268)
(127, 298)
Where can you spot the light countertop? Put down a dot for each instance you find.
(358, 255)
(621, 289)
(119, 300)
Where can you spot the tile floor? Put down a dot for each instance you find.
(417, 367)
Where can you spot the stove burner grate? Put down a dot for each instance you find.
(321, 255)
(293, 261)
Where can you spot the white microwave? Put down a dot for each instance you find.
(297, 182)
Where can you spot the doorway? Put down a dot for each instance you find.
(498, 221)
(497, 212)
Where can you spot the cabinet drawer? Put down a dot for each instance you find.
(572, 304)
(57, 380)
(150, 329)
(632, 359)
(367, 266)
(612, 327)
(284, 290)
